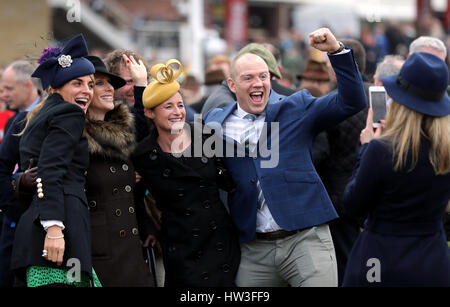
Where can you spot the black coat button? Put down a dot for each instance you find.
(204, 276)
(199, 254)
(131, 210)
(172, 248)
(92, 204)
(115, 191)
(135, 231)
(122, 233)
(153, 157)
(125, 167)
(219, 246)
(195, 232)
(188, 212)
(213, 225)
(118, 212)
(112, 169)
(166, 173)
(206, 204)
(180, 192)
(226, 268)
(204, 160)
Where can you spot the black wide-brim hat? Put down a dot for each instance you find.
(100, 67)
(421, 85)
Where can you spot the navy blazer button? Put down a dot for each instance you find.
(252, 181)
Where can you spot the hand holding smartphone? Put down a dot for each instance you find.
(378, 103)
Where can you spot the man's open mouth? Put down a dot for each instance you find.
(256, 97)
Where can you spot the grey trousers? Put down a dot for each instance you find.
(305, 259)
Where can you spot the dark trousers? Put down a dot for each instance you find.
(344, 234)
(6, 245)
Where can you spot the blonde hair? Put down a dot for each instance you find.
(404, 129)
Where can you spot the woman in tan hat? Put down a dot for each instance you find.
(198, 239)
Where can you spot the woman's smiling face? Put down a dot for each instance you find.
(103, 98)
(78, 91)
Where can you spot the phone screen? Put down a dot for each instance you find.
(378, 104)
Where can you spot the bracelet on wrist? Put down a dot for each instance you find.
(54, 238)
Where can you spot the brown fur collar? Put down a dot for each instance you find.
(113, 137)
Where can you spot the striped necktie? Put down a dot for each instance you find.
(249, 137)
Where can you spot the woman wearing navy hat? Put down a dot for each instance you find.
(402, 183)
(52, 245)
(117, 254)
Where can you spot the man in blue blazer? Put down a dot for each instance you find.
(280, 205)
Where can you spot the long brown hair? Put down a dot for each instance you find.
(404, 129)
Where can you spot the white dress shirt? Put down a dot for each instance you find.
(233, 127)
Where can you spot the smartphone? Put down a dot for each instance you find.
(378, 103)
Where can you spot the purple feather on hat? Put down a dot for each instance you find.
(48, 53)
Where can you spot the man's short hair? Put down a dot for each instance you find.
(114, 60)
(358, 52)
(427, 42)
(23, 71)
(388, 66)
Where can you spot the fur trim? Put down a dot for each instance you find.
(113, 137)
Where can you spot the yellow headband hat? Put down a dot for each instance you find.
(164, 84)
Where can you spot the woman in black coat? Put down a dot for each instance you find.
(53, 236)
(198, 239)
(117, 253)
(402, 182)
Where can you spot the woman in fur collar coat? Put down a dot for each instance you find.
(117, 253)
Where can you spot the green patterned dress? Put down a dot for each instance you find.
(38, 276)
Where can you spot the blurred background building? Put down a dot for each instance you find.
(197, 30)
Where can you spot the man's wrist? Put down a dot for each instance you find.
(341, 47)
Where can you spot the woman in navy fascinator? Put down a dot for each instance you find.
(52, 245)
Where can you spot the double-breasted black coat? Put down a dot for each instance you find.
(117, 253)
(198, 238)
(55, 139)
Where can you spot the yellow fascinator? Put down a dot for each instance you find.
(164, 84)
